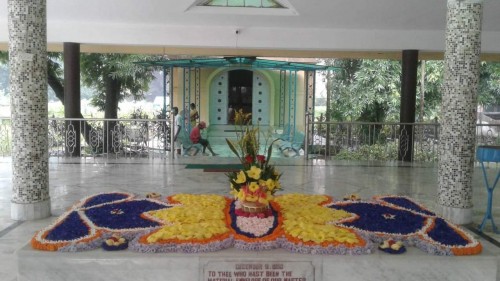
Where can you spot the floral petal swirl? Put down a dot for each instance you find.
(199, 217)
(306, 220)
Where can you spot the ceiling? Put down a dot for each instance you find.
(310, 28)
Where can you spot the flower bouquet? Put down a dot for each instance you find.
(254, 185)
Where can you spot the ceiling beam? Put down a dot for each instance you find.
(187, 52)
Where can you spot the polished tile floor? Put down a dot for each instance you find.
(72, 179)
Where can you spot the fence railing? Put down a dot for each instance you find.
(100, 137)
(138, 138)
(384, 141)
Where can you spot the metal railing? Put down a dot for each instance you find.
(100, 137)
(487, 134)
(384, 141)
(139, 138)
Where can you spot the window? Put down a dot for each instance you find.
(243, 3)
(243, 7)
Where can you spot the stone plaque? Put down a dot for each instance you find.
(258, 271)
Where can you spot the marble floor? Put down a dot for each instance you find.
(72, 179)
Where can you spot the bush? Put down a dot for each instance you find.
(385, 152)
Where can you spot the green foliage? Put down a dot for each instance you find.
(4, 80)
(55, 76)
(378, 84)
(425, 155)
(100, 70)
(384, 152)
(369, 90)
(364, 90)
(340, 87)
(138, 113)
(4, 73)
(5, 137)
(489, 84)
(247, 143)
(433, 84)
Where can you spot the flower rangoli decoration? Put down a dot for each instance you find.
(300, 223)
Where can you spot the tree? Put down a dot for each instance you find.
(4, 73)
(115, 77)
(55, 75)
(340, 88)
(378, 85)
(489, 84)
(369, 90)
(433, 84)
(364, 90)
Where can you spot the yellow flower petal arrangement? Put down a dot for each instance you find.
(211, 222)
(306, 220)
(197, 217)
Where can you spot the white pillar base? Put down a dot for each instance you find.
(456, 215)
(30, 211)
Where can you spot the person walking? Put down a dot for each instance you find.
(195, 137)
(177, 129)
(193, 115)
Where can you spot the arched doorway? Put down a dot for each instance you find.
(240, 92)
(241, 89)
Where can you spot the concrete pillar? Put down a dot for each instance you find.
(459, 107)
(28, 92)
(72, 105)
(408, 100)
